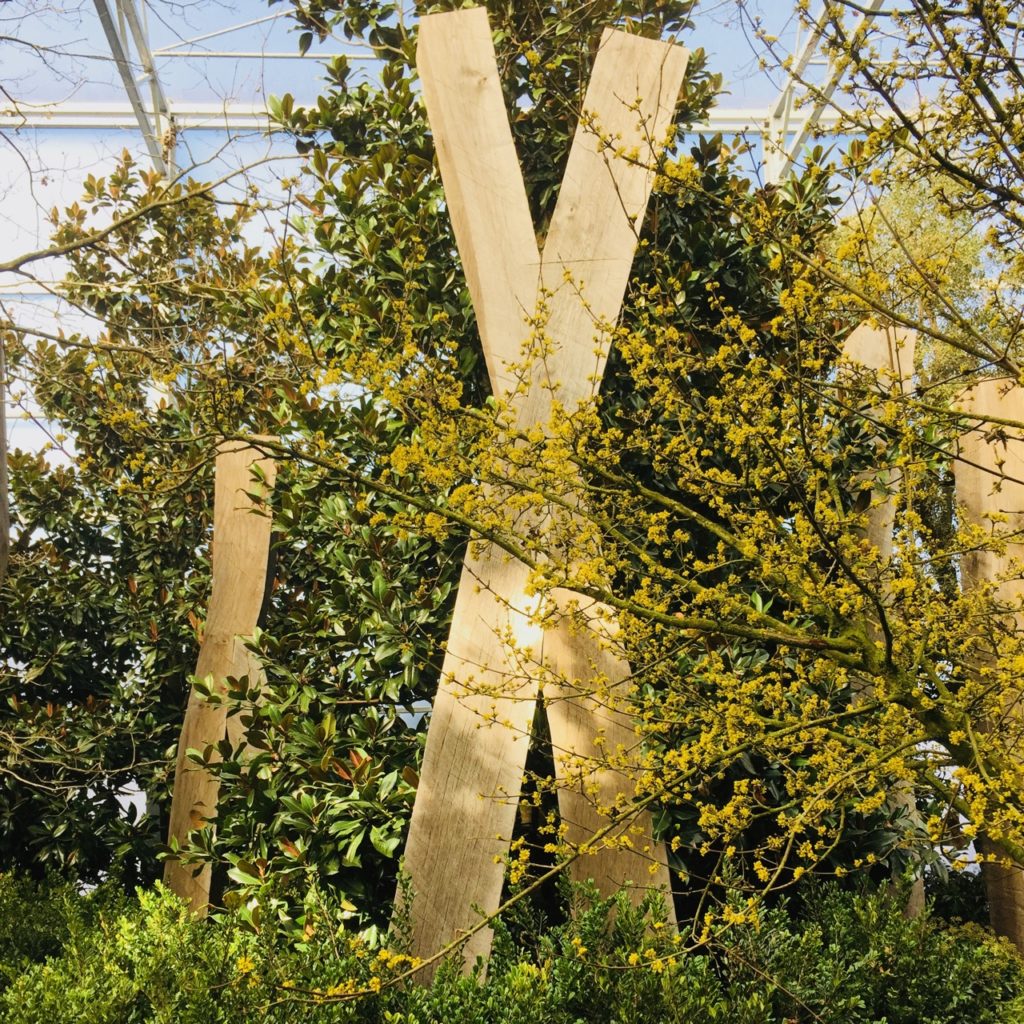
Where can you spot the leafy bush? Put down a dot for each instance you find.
(38, 920)
(957, 896)
(845, 959)
(854, 957)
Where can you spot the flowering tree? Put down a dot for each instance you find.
(788, 673)
(929, 93)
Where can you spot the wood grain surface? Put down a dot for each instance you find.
(239, 553)
(888, 353)
(497, 653)
(989, 474)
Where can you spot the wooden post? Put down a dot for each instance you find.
(239, 554)
(988, 474)
(479, 730)
(889, 354)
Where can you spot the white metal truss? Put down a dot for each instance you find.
(156, 123)
(781, 131)
(236, 117)
(783, 143)
(230, 117)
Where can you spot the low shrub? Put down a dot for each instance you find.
(845, 958)
(38, 920)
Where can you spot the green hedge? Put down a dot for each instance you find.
(846, 958)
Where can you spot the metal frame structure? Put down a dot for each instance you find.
(783, 141)
(782, 133)
(122, 116)
(156, 123)
(773, 128)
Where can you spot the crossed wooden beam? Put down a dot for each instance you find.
(497, 659)
(478, 736)
(480, 725)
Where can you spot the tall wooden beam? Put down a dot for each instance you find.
(497, 653)
(888, 353)
(586, 264)
(988, 475)
(239, 555)
(483, 183)
(593, 742)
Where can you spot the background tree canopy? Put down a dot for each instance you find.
(788, 677)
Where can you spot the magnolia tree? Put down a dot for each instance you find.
(799, 677)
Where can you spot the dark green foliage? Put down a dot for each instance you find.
(350, 647)
(101, 614)
(957, 896)
(41, 920)
(854, 957)
(96, 651)
(849, 959)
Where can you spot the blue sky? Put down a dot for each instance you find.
(83, 72)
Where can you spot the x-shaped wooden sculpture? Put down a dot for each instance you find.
(479, 729)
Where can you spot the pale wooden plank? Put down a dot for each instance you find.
(475, 754)
(587, 729)
(239, 553)
(482, 180)
(987, 476)
(888, 352)
(478, 735)
(632, 95)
